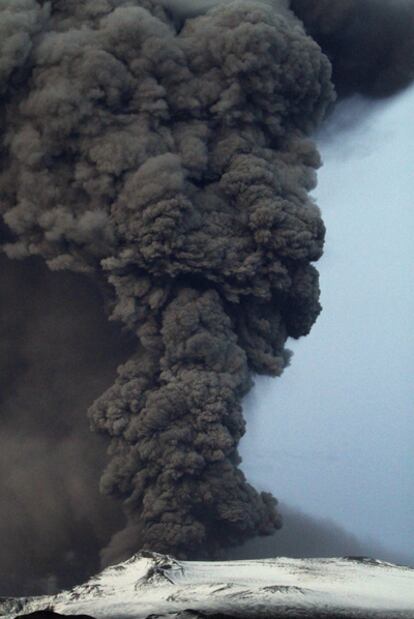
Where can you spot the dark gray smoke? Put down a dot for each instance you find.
(58, 352)
(369, 42)
(169, 160)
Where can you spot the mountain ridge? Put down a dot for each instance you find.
(150, 585)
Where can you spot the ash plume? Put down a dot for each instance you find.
(369, 42)
(169, 161)
(58, 353)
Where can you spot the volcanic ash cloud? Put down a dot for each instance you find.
(370, 42)
(168, 159)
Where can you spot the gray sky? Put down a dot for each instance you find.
(334, 434)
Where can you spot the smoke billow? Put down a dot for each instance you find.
(168, 159)
(369, 42)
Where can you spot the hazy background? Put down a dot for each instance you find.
(336, 430)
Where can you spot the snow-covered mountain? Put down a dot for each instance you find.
(155, 585)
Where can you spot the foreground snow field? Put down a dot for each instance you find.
(157, 585)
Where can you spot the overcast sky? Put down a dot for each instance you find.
(334, 435)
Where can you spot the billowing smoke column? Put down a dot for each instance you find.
(168, 159)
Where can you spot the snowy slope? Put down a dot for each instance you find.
(151, 584)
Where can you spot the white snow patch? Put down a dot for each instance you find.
(156, 584)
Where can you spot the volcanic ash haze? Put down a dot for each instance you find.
(370, 42)
(168, 159)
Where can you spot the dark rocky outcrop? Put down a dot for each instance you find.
(50, 614)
